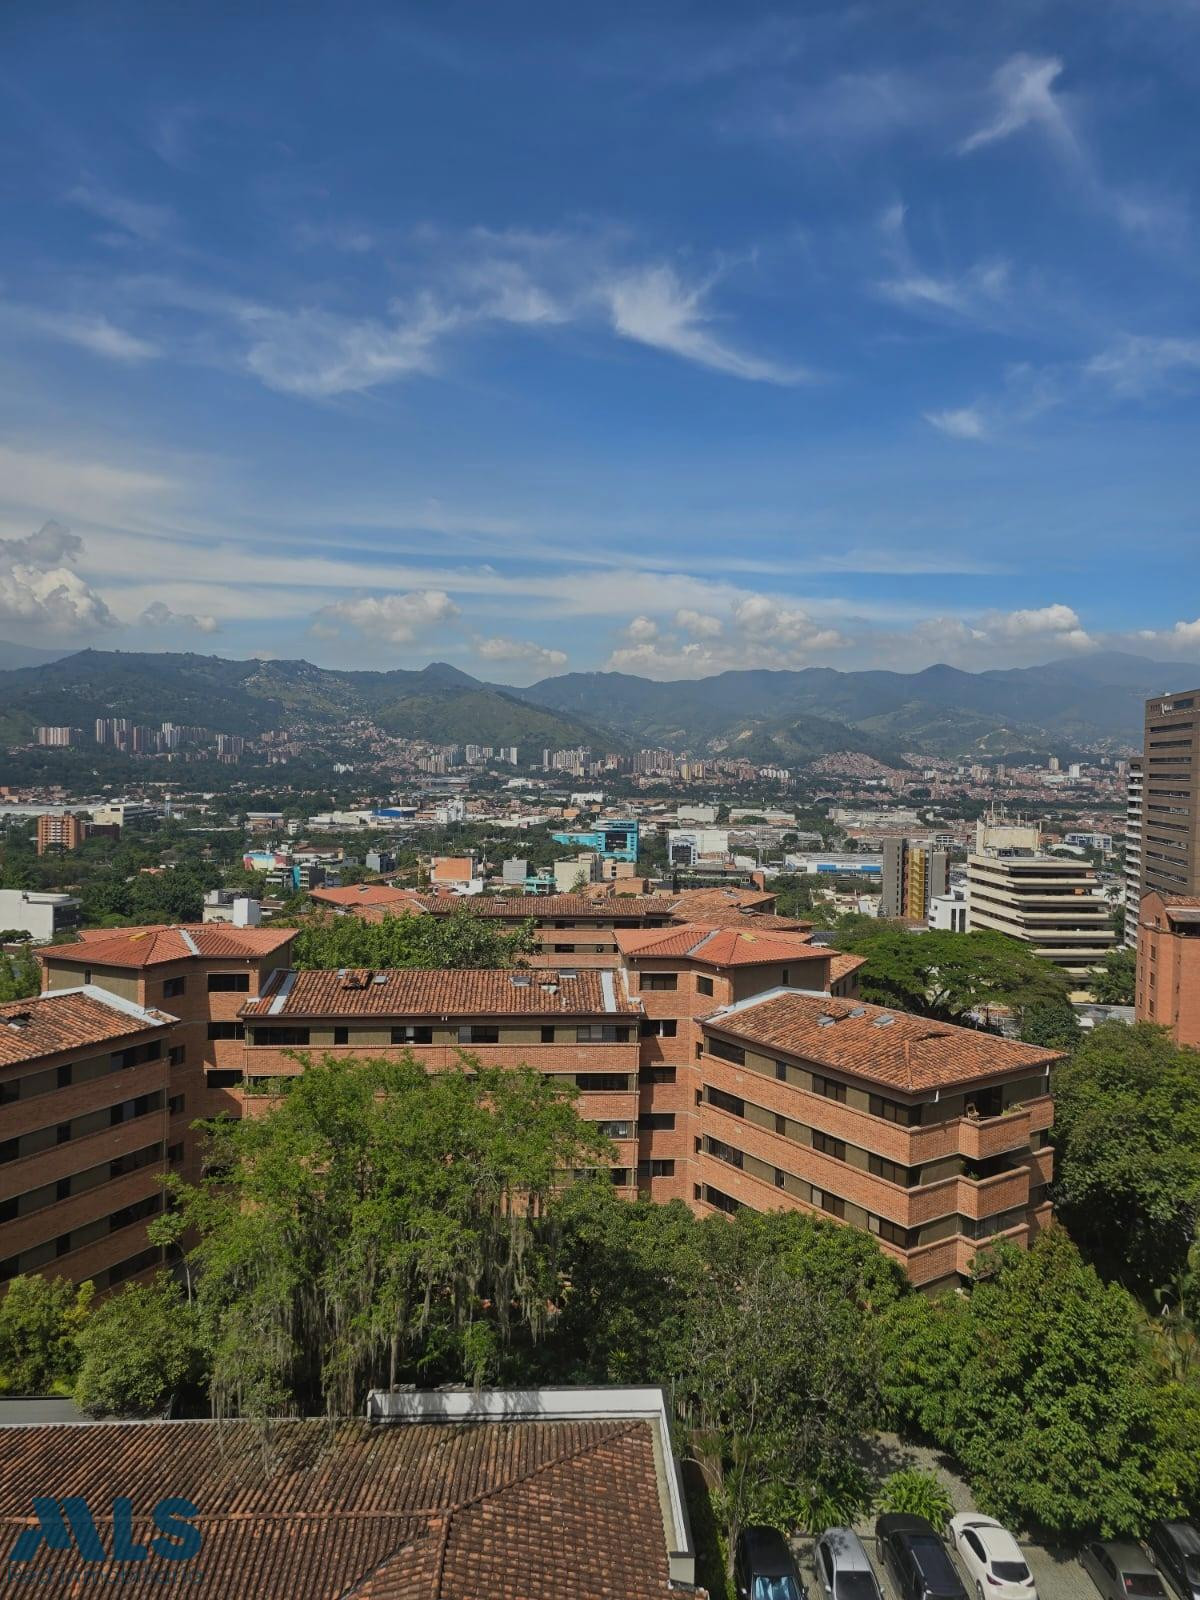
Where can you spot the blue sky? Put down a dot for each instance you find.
(668, 338)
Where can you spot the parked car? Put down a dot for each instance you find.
(844, 1569)
(764, 1568)
(992, 1558)
(1121, 1571)
(1175, 1550)
(915, 1555)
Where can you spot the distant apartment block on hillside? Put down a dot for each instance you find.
(913, 875)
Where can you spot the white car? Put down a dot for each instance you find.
(991, 1558)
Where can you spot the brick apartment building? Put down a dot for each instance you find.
(202, 975)
(1168, 965)
(88, 1123)
(731, 1064)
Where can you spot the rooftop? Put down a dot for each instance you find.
(369, 894)
(913, 1054)
(69, 1019)
(551, 905)
(153, 946)
(568, 1508)
(429, 992)
(719, 946)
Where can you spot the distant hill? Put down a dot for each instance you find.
(940, 711)
(248, 697)
(790, 717)
(26, 655)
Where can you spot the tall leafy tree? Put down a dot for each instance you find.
(20, 975)
(950, 975)
(1127, 1136)
(456, 940)
(40, 1322)
(380, 1223)
(136, 1352)
(1113, 983)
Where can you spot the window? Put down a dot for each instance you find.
(601, 1081)
(230, 1030)
(656, 1169)
(601, 1033)
(62, 1189)
(829, 1087)
(832, 1203)
(478, 1033)
(659, 980)
(656, 1122)
(724, 1152)
(892, 1111)
(176, 1104)
(229, 983)
(725, 1051)
(62, 1078)
(651, 1075)
(341, 1035)
(548, 1033)
(659, 1027)
(173, 986)
(174, 1154)
(279, 1036)
(891, 1231)
(890, 1171)
(829, 1146)
(619, 1176)
(613, 1130)
(727, 1102)
(720, 1201)
(177, 1055)
(784, 977)
(63, 1132)
(781, 1071)
(412, 1035)
(704, 985)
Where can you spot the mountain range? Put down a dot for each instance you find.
(789, 717)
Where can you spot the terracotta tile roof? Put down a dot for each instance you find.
(151, 946)
(369, 894)
(907, 1053)
(427, 992)
(722, 905)
(69, 1020)
(550, 905)
(842, 965)
(718, 946)
(411, 1511)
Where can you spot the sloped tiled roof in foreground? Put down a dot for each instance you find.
(321, 1511)
(151, 946)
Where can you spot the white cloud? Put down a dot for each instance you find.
(1023, 91)
(966, 422)
(160, 615)
(642, 629)
(977, 293)
(654, 307)
(699, 624)
(39, 588)
(149, 223)
(525, 651)
(1058, 624)
(95, 333)
(69, 484)
(761, 617)
(1138, 364)
(391, 618)
(317, 354)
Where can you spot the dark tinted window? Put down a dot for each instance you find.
(1145, 1583)
(856, 1586)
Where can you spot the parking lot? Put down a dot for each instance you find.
(1055, 1571)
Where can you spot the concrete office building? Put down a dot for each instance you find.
(39, 914)
(1053, 904)
(1171, 795)
(88, 1125)
(913, 874)
(1133, 849)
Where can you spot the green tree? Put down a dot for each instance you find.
(40, 1323)
(380, 1223)
(20, 975)
(1113, 983)
(137, 1351)
(1052, 1024)
(1127, 1163)
(456, 940)
(950, 975)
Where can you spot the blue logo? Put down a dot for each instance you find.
(68, 1523)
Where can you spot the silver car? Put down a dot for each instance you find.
(1121, 1571)
(844, 1569)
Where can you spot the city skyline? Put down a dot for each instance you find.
(667, 342)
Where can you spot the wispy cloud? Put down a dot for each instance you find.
(93, 332)
(139, 219)
(1024, 96)
(160, 615)
(978, 293)
(1138, 365)
(395, 619)
(522, 652)
(966, 422)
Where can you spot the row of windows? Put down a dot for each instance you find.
(827, 1088)
(670, 981)
(656, 1169)
(88, 1122)
(218, 983)
(34, 1084)
(77, 1238)
(468, 1033)
(34, 1200)
(891, 1171)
